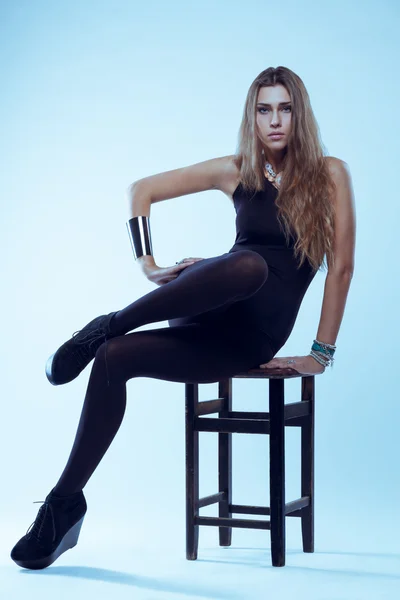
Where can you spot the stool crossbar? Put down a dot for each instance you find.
(273, 423)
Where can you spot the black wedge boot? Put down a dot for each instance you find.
(55, 530)
(75, 354)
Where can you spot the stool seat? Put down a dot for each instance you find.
(257, 373)
(272, 423)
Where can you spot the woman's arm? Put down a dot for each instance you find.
(335, 295)
(338, 279)
(339, 276)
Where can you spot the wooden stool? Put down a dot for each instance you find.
(296, 414)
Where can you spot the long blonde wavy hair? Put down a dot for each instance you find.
(304, 202)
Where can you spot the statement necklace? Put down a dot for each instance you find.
(274, 178)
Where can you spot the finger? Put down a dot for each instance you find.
(182, 266)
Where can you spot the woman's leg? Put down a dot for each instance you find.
(189, 353)
(204, 286)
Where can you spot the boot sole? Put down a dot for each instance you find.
(49, 372)
(69, 540)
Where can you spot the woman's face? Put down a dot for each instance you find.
(274, 115)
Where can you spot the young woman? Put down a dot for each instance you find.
(226, 314)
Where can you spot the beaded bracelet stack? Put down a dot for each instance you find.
(323, 353)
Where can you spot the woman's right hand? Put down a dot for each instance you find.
(161, 275)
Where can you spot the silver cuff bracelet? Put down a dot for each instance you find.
(140, 236)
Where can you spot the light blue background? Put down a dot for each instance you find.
(96, 95)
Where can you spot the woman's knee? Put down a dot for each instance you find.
(108, 357)
(250, 266)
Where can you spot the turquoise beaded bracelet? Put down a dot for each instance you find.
(323, 353)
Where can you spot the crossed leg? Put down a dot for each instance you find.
(210, 285)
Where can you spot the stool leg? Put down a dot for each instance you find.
(277, 471)
(192, 471)
(307, 466)
(225, 463)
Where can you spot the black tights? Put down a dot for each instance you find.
(192, 352)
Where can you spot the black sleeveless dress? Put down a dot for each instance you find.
(273, 309)
(262, 323)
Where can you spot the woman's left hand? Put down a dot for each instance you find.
(305, 365)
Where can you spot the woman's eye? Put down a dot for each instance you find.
(284, 108)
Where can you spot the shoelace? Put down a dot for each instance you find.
(90, 336)
(93, 337)
(38, 523)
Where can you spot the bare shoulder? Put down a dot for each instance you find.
(339, 169)
(229, 176)
(341, 176)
